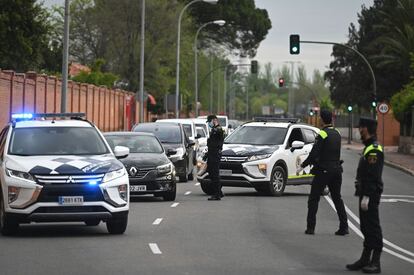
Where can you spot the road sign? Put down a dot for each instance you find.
(383, 108)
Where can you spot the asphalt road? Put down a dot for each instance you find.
(245, 233)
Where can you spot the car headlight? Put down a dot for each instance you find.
(258, 157)
(114, 175)
(20, 175)
(164, 169)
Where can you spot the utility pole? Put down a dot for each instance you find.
(141, 69)
(211, 85)
(65, 58)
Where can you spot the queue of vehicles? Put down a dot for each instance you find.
(61, 168)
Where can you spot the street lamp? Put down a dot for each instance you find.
(177, 83)
(217, 22)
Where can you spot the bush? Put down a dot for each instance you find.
(402, 101)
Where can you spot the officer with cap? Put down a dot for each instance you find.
(214, 146)
(369, 188)
(325, 158)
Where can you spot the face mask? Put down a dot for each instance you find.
(210, 124)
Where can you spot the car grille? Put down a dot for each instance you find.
(138, 173)
(68, 179)
(233, 159)
(51, 193)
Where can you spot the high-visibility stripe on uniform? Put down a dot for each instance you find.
(372, 147)
(323, 134)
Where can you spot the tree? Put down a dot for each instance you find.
(246, 26)
(23, 35)
(96, 76)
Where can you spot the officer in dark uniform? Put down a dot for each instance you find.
(215, 146)
(369, 188)
(325, 158)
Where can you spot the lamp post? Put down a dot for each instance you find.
(65, 57)
(218, 22)
(177, 83)
(141, 67)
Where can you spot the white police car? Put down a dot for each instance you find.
(60, 170)
(265, 154)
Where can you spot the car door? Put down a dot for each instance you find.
(309, 136)
(296, 156)
(3, 137)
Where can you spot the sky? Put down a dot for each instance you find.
(316, 20)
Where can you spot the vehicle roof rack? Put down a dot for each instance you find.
(276, 119)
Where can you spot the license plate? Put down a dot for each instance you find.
(71, 200)
(137, 188)
(225, 172)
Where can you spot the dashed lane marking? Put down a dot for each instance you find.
(175, 204)
(155, 249)
(157, 221)
(359, 233)
(187, 193)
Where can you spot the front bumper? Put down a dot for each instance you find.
(153, 183)
(36, 202)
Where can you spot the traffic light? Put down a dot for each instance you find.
(294, 40)
(311, 112)
(349, 108)
(374, 104)
(253, 66)
(281, 82)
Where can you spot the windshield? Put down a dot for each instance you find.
(257, 135)
(135, 143)
(204, 126)
(201, 132)
(56, 141)
(165, 133)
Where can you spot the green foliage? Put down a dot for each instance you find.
(96, 76)
(402, 101)
(23, 35)
(326, 103)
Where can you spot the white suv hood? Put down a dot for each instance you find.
(65, 165)
(247, 150)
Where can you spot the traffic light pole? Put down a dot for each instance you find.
(374, 82)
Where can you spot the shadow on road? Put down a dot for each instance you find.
(60, 230)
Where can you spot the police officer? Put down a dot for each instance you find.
(215, 146)
(369, 188)
(325, 158)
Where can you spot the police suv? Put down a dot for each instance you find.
(265, 154)
(60, 169)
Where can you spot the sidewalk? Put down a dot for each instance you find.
(392, 157)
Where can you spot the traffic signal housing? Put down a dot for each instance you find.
(294, 44)
(253, 66)
(281, 82)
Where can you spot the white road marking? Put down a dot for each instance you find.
(359, 233)
(175, 204)
(157, 221)
(154, 248)
(197, 184)
(397, 200)
(398, 196)
(187, 193)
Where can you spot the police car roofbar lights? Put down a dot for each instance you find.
(28, 116)
(276, 119)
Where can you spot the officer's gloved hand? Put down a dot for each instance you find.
(364, 203)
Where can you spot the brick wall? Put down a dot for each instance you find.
(36, 93)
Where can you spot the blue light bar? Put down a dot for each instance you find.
(93, 182)
(22, 116)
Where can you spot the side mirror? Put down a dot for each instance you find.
(171, 152)
(198, 136)
(297, 145)
(121, 152)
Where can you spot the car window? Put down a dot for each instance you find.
(165, 133)
(135, 143)
(201, 132)
(56, 141)
(295, 135)
(188, 130)
(257, 135)
(204, 126)
(309, 135)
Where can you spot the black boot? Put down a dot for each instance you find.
(362, 262)
(375, 266)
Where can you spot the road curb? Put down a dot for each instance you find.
(399, 167)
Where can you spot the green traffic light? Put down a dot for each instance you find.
(349, 108)
(374, 104)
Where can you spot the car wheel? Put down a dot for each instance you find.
(207, 188)
(277, 182)
(170, 195)
(8, 226)
(92, 222)
(117, 226)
